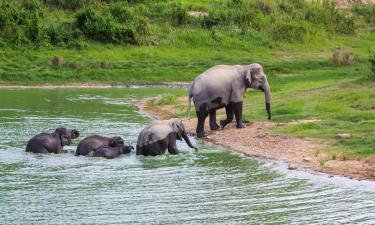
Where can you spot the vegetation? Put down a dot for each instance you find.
(155, 41)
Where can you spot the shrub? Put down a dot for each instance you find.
(66, 4)
(22, 23)
(367, 11)
(289, 31)
(103, 27)
(63, 34)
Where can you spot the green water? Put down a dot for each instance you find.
(211, 186)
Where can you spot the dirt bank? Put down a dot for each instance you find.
(257, 140)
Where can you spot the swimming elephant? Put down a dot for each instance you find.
(225, 86)
(161, 135)
(51, 142)
(108, 147)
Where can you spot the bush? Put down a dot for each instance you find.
(66, 4)
(289, 31)
(103, 27)
(63, 34)
(21, 24)
(367, 11)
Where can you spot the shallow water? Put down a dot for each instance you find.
(211, 186)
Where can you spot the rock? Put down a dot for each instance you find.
(292, 167)
(343, 136)
(307, 159)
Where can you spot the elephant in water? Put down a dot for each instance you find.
(108, 147)
(160, 135)
(51, 142)
(225, 86)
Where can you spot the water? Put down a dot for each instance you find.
(211, 186)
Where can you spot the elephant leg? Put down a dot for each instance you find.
(213, 124)
(237, 109)
(202, 115)
(229, 119)
(156, 148)
(172, 147)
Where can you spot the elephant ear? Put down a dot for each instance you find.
(248, 77)
(60, 130)
(178, 128)
(112, 142)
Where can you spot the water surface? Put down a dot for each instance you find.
(211, 186)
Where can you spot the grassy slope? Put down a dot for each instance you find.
(304, 84)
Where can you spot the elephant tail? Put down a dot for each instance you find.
(190, 96)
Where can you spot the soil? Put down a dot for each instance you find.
(258, 140)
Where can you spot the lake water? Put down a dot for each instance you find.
(210, 186)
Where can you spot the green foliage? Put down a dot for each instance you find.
(104, 27)
(25, 22)
(366, 11)
(66, 4)
(21, 24)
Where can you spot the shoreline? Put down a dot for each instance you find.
(94, 85)
(258, 141)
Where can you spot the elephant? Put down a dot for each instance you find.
(161, 135)
(51, 142)
(225, 86)
(101, 146)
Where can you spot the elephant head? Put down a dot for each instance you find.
(66, 135)
(179, 128)
(119, 142)
(256, 79)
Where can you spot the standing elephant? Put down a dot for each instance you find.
(108, 147)
(225, 86)
(160, 135)
(51, 142)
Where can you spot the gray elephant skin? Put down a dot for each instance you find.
(225, 86)
(161, 135)
(101, 146)
(51, 142)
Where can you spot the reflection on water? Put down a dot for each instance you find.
(211, 186)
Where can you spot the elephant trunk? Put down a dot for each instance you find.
(267, 94)
(186, 138)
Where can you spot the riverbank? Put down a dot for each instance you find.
(259, 139)
(96, 85)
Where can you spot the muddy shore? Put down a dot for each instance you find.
(257, 140)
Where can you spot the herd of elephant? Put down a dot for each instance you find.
(218, 87)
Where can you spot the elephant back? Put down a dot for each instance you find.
(156, 131)
(213, 87)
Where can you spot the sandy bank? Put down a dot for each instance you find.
(257, 140)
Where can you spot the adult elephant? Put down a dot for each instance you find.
(161, 135)
(101, 146)
(51, 142)
(225, 86)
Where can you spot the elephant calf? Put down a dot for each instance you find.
(103, 146)
(225, 86)
(160, 135)
(51, 142)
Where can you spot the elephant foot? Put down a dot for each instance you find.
(200, 134)
(241, 125)
(223, 123)
(215, 127)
